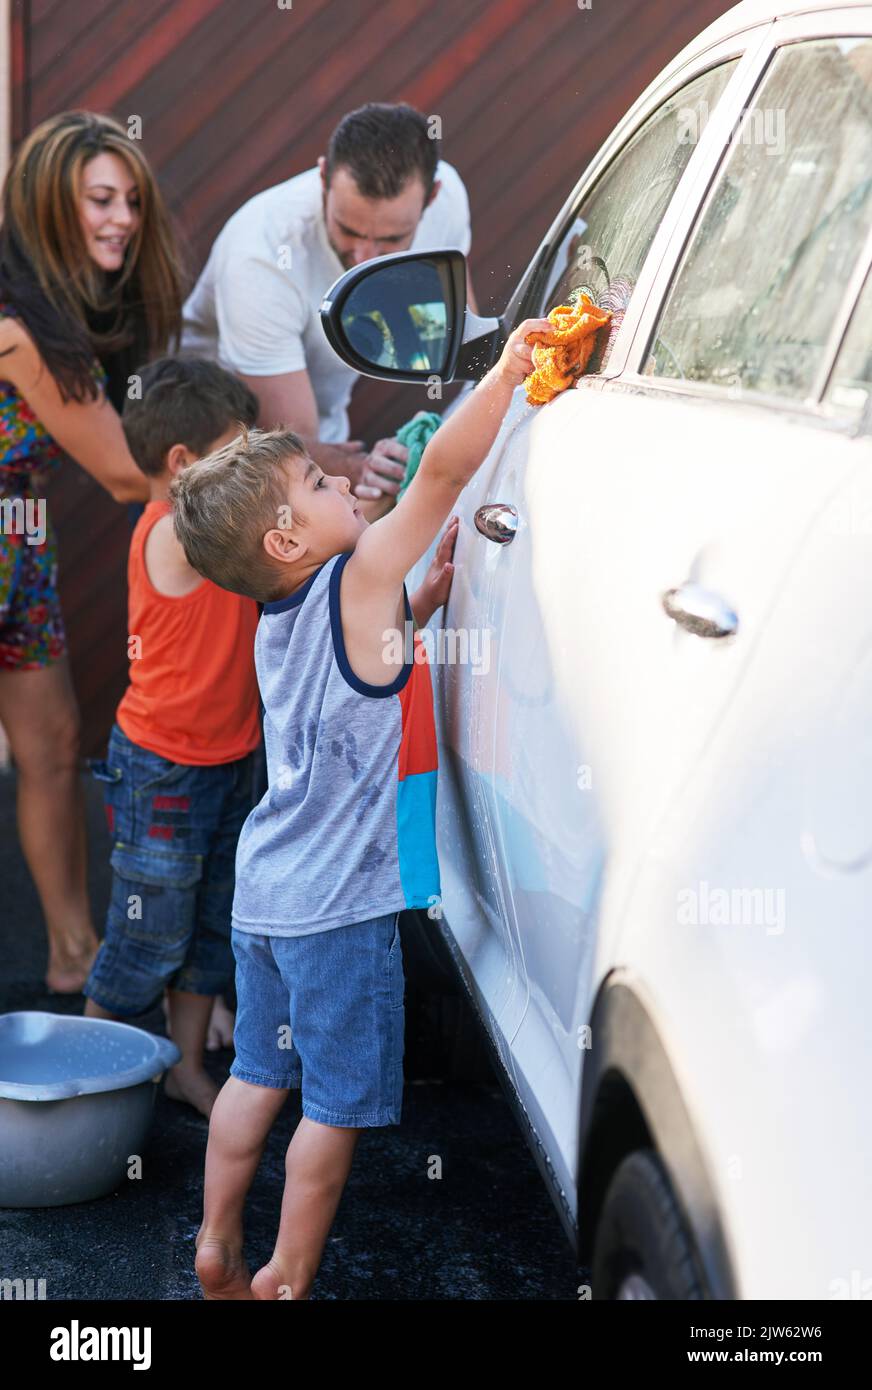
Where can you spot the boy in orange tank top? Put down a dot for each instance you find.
(180, 767)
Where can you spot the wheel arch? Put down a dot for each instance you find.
(630, 1099)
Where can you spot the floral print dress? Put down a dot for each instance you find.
(32, 630)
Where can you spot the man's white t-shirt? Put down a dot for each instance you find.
(255, 306)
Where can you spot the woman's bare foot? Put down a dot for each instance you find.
(221, 1270)
(271, 1283)
(193, 1086)
(69, 969)
(221, 1023)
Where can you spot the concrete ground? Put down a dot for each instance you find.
(485, 1230)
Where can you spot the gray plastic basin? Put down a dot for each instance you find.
(76, 1103)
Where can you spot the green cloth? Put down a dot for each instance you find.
(414, 434)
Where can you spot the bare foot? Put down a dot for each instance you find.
(221, 1025)
(221, 1270)
(194, 1087)
(270, 1283)
(68, 970)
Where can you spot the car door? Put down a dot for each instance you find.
(474, 838)
(657, 518)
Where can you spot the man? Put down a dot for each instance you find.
(381, 187)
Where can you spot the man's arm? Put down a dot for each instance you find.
(261, 315)
(288, 400)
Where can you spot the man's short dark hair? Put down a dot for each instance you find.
(383, 146)
(183, 400)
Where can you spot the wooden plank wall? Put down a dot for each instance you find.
(235, 95)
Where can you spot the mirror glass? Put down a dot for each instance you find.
(400, 316)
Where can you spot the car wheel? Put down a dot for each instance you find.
(642, 1248)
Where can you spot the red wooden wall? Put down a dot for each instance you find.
(236, 95)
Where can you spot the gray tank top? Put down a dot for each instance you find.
(347, 827)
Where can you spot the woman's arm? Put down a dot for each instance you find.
(90, 432)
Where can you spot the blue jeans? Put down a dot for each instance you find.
(324, 1012)
(174, 829)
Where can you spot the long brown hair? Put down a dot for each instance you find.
(72, 308)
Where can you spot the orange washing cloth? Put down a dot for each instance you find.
(560, 357)
(193, 695)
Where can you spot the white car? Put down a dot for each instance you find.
(655, 756)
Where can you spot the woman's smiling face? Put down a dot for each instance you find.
(109, 209)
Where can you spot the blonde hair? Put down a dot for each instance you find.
(224, 504)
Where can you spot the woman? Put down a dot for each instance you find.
(90, 287)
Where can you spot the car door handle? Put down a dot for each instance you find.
(700, 611)
(498, 521)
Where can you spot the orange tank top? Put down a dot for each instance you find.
(193, 695)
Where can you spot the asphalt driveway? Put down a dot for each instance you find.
(485, 1230)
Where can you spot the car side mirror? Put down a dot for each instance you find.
(399, 317)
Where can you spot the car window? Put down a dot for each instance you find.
(603, 250)
(757, 292)
(850, 387)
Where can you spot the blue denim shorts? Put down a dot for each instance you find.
(324, 1013)
(174, 830)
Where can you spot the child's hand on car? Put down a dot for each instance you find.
(516, 361)
(436, 584)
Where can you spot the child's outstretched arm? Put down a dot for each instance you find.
(386, 552)
(371, 586)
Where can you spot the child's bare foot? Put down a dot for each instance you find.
(221, 1270)
(221, 1022)
(271, 1283)
(193, 1086)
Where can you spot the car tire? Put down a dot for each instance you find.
(642, 1247)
